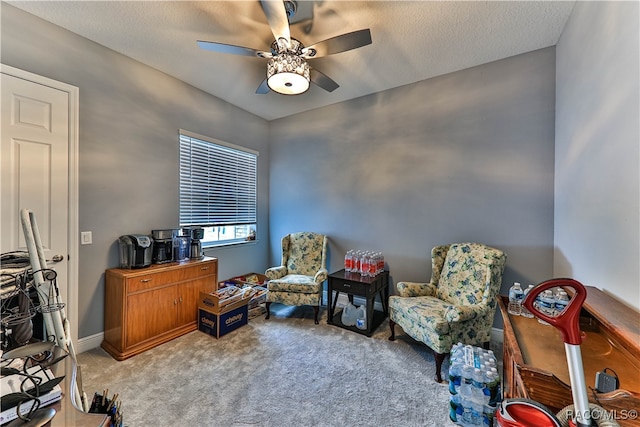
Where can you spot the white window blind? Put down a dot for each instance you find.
(218, 182)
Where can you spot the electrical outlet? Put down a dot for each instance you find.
(86, 238)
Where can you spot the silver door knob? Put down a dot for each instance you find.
(57, 258)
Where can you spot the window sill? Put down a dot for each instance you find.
(230, 245)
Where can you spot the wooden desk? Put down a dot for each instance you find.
(535, 363)
(67, 414)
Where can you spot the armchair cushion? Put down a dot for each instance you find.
(298, 283)
(422, 312)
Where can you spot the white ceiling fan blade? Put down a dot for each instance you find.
(232, 49)
(277, 18)
(338, 44)
(322, 80)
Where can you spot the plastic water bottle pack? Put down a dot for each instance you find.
(367, 263)
(551, 302)
(474, 385)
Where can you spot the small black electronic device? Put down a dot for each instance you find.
(135, 250)
(605, 382)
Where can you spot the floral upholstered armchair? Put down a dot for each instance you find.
(299, 280)
(457, 305)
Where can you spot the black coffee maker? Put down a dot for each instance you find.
(197, 234)
(163, 246)
(135, 250)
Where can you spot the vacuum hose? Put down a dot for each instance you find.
(601, 417)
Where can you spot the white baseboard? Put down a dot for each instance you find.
(89, 343)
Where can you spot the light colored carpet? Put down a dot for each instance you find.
(282, 372)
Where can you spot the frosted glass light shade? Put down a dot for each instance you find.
(288, 74)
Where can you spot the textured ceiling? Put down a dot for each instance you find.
(412, 41)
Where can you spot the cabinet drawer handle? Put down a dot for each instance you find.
(175, 302)
(346, 285)
(204, 268)
(180, 299)
(145, 280)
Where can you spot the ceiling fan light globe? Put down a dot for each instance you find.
(288, 74)
(288, 83)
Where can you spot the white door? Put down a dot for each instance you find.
(35, 159)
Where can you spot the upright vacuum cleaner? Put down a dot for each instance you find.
(528, 413)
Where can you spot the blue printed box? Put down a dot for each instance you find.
(218, 325)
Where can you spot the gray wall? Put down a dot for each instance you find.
(468, 156)
(597, 214)
(128, 147)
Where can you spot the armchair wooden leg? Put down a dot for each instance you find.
(392, 326)
(316, 310)
(439, 359)
(267, 305)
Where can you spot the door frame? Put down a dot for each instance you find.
(71, 306)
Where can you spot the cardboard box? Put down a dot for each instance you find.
(257, 311)
(213, 303)
(259, 298)
(218, 317)
(251, 279)
(218, 325)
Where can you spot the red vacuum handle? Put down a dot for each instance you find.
(568, 320)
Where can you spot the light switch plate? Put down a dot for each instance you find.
(86, 238)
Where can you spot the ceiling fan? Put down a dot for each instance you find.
(288, 72)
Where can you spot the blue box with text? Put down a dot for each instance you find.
(218, 325)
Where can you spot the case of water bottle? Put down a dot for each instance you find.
(551, 302)
(367, 263)
(474, 385)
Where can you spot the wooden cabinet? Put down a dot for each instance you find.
(535, 363)
(150, 306)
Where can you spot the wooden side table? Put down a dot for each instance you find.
(358, 285)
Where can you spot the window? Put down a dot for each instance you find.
(218, 187)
